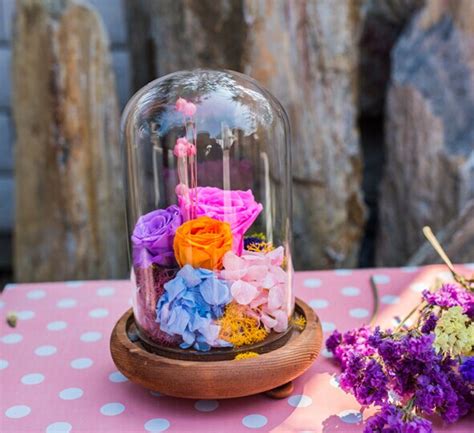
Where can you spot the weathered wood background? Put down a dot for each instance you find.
(383, 85)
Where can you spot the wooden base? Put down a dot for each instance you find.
(270, 372)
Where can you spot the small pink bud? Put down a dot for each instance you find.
(189, 109)
(181, 104)
(181, 190)
(181, 147)
(191, 149)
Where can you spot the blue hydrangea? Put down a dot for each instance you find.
(190, 305)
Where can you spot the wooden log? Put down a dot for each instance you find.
(69, 220)
(191, 34)
(382, 23)
(306, 54)
(429, 174)
(457, 239)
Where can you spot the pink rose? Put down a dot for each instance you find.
(238, 208)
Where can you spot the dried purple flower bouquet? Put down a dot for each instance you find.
(412, 372)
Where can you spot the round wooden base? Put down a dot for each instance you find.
(270, 372)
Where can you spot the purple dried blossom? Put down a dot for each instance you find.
(467, 369)
(451, 295)
(355, 341)
(365, 379)
(393, 419)
(429, 324)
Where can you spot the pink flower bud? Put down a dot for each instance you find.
(191, 149)
(181, 104)
(189, 109)
(181, 190)
(181, 147)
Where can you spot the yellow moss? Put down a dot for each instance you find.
(246, 355)
(238, 328)
(262, 247)
(299, 322)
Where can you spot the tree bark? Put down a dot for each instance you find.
(306, 54)
(69, 219)
(457, 239)
(382, 23)
(429, 176)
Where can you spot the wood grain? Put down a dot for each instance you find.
(306, 55)
(217, 379)
(69, 217)
(429, 171)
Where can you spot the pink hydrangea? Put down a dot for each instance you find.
(258, 281)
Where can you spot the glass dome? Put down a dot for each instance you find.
(208, 180)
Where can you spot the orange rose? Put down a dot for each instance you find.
(202, 243)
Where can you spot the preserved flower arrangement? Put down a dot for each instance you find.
(208, 182)
(413, 371)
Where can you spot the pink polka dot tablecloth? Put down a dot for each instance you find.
(57, 376)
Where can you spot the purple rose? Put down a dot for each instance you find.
(153, 235)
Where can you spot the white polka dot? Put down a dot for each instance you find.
(36, 294)
(300, 401)
(10, 286)
(58, 325)
(2, 304)
(17, 411)
(318, 303)
(12, 338)
(112, 409)
(74, 283)
(46, 350)
(71, 393)
(105, 291)
(390, 299)
(98, 313)
(312, 283)
(157, 425)
(32, 379)
(381, 279)
(90, 337)
(469, 266)
(59, 427)
(3, 364)
(254, 421)
(66, 303)
(409, 269)
(81, 363)
(419, 287)
(326, 353)
(156, 394)
(359, 313)
(343, 272)
(328, 326)
(334, 381)
(206, 405)
(117, 377)
(25, 314)
(350, 416)
(350, 291)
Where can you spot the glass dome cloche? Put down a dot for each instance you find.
(208, 184)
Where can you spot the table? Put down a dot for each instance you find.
(56, 373)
